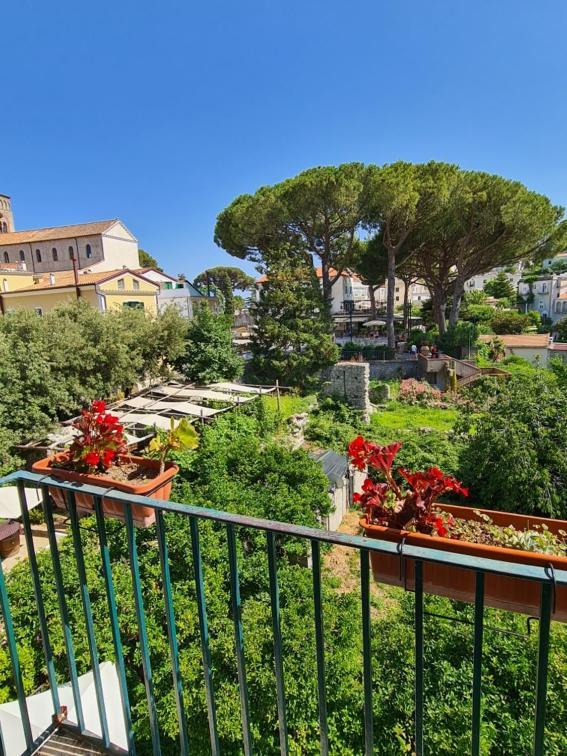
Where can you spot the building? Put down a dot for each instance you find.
(533, 347)
(178, 292)
(100, 245)
(103, 290)
(476, 283)
(547, 295)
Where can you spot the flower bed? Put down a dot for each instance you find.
(410, 513)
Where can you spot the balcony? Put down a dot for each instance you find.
(78, 644)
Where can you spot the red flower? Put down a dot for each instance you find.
(98, 406)
(110, 419)
(107, 457)
(92, 458)
(358, 452)
(382, 457)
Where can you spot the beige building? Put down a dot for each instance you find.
(101, 245)
(531, 346)
(103, 290)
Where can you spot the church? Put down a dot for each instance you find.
(98, 246)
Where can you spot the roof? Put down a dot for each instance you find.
(333, 465)
(56, 232)
(13, 267)
(558, 346)
(66, 278)
(519, 339)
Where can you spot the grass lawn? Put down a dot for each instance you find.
(289, 404)
(399, 416)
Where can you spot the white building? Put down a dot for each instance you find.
(98, 246)
(179, 293)
(476, 283)
(548, 295)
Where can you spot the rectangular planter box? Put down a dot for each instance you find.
(158, 487)
(500, 591)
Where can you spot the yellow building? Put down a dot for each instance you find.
(104, 290)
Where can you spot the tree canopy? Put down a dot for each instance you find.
(147, 260)
(500, 287)
(316, 215)
(227, 280)
(292, 340)
(209, 355)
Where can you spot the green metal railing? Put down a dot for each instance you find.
(272, 530)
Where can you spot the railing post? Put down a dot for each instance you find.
(366, 652)
(477, 663)
(114, 624)
(542, 666)
(204, 632)
(320, 647)
(63, 610)
(278, 653)
(15, 660)
(87, 611)
(239, 638)
(142, 630)
(47, 650)
(171, 633)
(418, 657)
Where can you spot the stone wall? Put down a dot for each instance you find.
(349, 381)
(384, 370)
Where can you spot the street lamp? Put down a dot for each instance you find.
(348, 306)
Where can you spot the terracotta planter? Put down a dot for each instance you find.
(501, 592)
(9, 539)
(158, 487)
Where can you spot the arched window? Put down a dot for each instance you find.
(6, 257)
(89, 251)
(54, 254)
(71, 252)
(22, 256)
(38, 255)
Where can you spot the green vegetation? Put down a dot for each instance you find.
(399, 416)
(209, 355)
(51, 366)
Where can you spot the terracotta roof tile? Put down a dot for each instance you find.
(66, 278)
(519, 339)
(558, 346)
(55, 232)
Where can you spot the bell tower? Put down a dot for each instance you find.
(6, 216)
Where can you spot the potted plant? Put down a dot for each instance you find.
(403, 507)
(99, 456)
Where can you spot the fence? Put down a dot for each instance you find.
(273, 530)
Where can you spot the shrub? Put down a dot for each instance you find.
(515, 460)
(458, 339)
(209, 354)
(418, 392)
(510, 322)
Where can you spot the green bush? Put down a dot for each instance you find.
(510, 322)
(515, 459)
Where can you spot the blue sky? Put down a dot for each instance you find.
(161, 113)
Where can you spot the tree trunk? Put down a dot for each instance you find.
(327, 288)
(458, 291)
(372, 296)
(438, 298)
(391, 280)
(406, 308)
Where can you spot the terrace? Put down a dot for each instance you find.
(105, 722)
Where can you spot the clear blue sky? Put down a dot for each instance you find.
(161, 113)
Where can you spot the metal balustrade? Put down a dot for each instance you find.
(315, 538)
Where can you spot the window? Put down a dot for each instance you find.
(6, 257)
(168, 285)
(179, 286)
(38, 255)
(71, 253)
(22, 256)
(54, 254)
(38, 310)
(88, 251)
(135, 284)
(120, 284)
(133, 305)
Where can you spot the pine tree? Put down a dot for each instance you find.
(209, 354)
(293, 336)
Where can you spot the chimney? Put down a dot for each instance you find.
(52, 279)
(22, 266)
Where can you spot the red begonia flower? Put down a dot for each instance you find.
(98, 406)
(92, 459)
